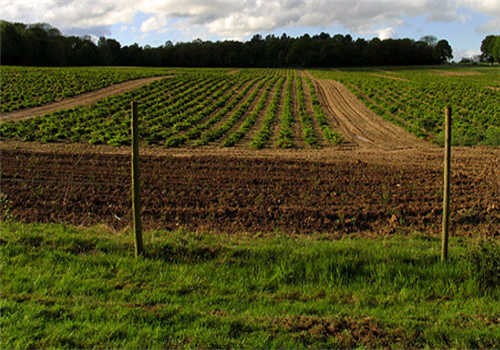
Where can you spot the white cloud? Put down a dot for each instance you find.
(463, 53)
(154, 23)
(240, 18)
(385, 33)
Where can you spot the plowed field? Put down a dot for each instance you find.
(236, 190)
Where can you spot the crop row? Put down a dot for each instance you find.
(194, 108)
(416, 99)
(285, 137)
(306, 118)
(251, 118)
(269, 118)
(24, 87)
(322, 119)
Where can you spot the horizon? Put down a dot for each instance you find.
(463, 23)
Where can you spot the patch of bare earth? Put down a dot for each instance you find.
(361, 191)
(349, 332)
(358, 124)
(80, 100)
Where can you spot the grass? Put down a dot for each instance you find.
(68, 287)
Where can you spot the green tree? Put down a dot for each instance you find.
(495, 50)
(430, 40)
(443, 51)
(487, 48)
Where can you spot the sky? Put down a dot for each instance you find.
(464, 23)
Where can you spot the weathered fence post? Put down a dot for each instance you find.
(446, 185)
(136, 190)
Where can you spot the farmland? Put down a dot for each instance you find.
(255, 108)
(415, 99)
(344, 192)
(195, 108)
(30, 87)
(339, 153)
(282, 208)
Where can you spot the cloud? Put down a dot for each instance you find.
(463, 53)
(385, 33)
(241, 18)
(153, 23)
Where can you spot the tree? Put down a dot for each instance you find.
(443, 51)
(109, 51)
(430, 40)
(42, 44)
(495, 51)
(490, 47)
(487, 48)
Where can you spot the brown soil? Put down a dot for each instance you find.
(494, 88)
(348, 331)
(360, 125)
(236, 190)
(80, 100)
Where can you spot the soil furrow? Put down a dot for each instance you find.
(352, 192)
(360, 125)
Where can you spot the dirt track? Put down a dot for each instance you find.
(83, 99)
(360, 125)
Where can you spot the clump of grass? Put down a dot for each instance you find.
(485, 263)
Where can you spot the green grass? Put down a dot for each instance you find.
(68, 287)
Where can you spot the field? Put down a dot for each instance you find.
(64, 287)
(228, 191)
(194, 108)
(415, 99)
(278, 109)
(312, 196)
(30, 87)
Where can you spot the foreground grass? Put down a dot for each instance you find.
(80, 288)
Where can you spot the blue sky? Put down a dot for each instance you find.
(464, 23)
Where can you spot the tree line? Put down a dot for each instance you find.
(44, 45)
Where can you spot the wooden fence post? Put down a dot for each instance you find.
(136, 189)
(446, 185)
